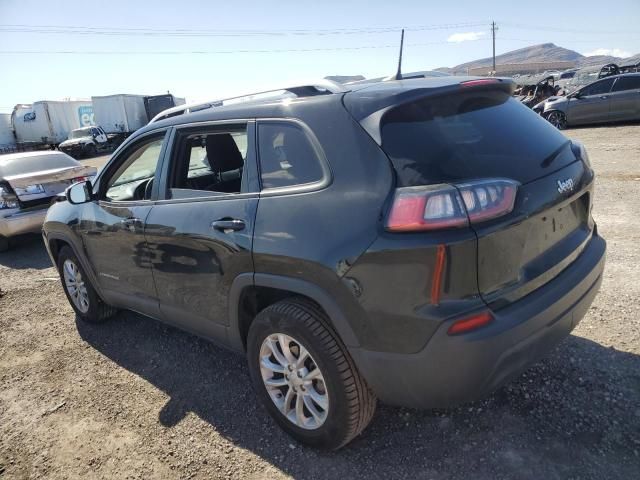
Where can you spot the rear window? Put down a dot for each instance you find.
(18, 165)
(471, 135)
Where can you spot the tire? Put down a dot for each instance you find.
(350, 404)
(90, 151)
(4, 244)
(557, 119)
(95, 310)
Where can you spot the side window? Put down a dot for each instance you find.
(627, 83)
(286, 156)
(134, 178)
(210, 161)
(598, 88)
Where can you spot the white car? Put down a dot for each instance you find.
(29, 183)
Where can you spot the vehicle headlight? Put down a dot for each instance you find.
(30, 189)
(7, 199)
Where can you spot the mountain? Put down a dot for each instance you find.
(543, 53)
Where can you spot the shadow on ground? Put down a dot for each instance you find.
(26, 251)
(574, 415)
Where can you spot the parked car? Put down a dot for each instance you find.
(611, 99)
(417, 241)
(86, 142)
(28, 184)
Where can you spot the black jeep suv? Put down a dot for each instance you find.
(419, 241)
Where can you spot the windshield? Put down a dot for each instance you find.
(81, 132)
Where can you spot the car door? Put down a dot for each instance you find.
(200, 232)
(591, 105)
(625, 99)
(112, 226)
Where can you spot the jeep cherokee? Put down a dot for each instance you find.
(414, 241)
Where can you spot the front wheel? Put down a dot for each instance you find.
(84, 299)
(305, 377)
(557, 119)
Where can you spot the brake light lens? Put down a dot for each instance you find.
(471, 323)
(580, 151)
(7, 199)
(481, 81)
(448, 206)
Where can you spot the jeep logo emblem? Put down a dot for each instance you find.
(565, 185)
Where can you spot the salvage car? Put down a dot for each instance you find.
(534, 89)
(85, 142)
(29, 182)
(611, 99)
(415, 241)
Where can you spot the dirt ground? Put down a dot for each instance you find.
(136, 399)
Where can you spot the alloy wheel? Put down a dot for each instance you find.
(75, 285)
(294, 381)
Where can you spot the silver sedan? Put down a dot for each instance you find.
(29, 182)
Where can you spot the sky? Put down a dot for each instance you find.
(205, 50)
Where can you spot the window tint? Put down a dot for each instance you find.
(209, 162)
(286, 156)
(598, 88)
(466, 136)
(132, 181)
(627, 83)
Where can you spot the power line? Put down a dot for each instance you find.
(191, 32)
(214, 52)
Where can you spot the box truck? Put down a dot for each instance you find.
(49, 122)
(7, 138)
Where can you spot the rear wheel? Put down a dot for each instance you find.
(557, 119)
(90, 150)
(80, 293)
(305, 377)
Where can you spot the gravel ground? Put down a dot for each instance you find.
(136, 399)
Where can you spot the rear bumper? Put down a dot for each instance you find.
(455, 369)
(22, 222)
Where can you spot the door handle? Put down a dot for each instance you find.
(228, 225)
(604, 97)
(131, 223)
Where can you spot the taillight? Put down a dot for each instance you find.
(445, 206)
(79, 179)
(8, 198)
(579, 151)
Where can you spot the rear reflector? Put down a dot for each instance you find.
(471, 323)
(482, 81)
(445, 206)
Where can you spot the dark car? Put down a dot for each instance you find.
(611, 99)
(418, 241)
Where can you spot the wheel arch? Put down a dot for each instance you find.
(251, 293)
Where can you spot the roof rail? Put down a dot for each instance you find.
(319, 87)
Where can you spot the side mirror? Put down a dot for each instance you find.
(79, 193)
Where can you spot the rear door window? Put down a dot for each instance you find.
(287, 156)
(627, 83)
(471, 135)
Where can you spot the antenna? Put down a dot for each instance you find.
(399, 72)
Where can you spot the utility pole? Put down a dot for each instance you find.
(493, 35)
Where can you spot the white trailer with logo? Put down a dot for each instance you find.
(50, 122)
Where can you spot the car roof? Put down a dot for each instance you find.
(374, 95)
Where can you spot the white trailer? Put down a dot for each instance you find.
(7, 139)
(49, 122)
(121, 113)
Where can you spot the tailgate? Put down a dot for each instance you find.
(47, 183)
(547, 230)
